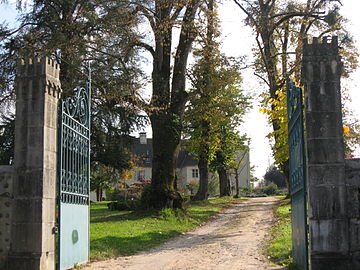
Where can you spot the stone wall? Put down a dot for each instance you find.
(6, 193)
(333, 182)
(328, 222)
(352, 179)
(35, 163)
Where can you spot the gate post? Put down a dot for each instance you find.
(32, 235)
(321, 71)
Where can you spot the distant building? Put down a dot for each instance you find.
(186, 166)
(241, 171)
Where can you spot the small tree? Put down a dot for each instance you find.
(273, 175)
(102, 178)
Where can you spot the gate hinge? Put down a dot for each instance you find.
(55, 230)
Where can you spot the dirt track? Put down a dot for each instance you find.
(230, 241)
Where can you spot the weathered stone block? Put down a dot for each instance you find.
(353, 201)
(322, 97)
(24, 261)
(325, 151)
(326, 174)
(355, 260)
(354, 238)
(327, 202)
(48, 237)
(48, 209)
(50, 159)
(29, 184)
(26, 237)
(28, 210)
(329, 236)
(321, 124)
(49, 182)
(6, 188)
(35, 137)
(330, 261)
(352, 172)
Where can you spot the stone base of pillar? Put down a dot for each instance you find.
(30, 261)
(330, 261)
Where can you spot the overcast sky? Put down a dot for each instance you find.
(238, 41)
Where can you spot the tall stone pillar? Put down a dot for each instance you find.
(33, 220)
(321, 72)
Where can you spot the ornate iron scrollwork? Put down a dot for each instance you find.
(75, 146)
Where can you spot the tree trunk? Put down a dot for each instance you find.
(202, 193)
(168, 100)
(97, 194)
(237, 183)
(166, 145)
(224, 181)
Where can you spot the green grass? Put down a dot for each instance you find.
(114, 233)
(279, 247)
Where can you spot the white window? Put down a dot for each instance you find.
(195, 173)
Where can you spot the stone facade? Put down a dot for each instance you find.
(352, 180)
(333, 184)
(6, 194)
(33, 216)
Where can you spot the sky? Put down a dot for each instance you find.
(238, 41)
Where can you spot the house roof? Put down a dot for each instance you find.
(144, 154)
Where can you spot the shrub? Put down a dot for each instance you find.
(123, 205)
(271, 189)
(193, 186)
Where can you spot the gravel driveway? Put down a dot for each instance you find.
(231, 240)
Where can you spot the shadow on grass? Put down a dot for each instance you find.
(110, 216)
(112, 246)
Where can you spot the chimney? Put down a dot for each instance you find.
(142, 137)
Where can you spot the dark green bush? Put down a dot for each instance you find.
(123, 205)
(271, 189)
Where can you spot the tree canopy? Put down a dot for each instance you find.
(279, 29)
(75, 33)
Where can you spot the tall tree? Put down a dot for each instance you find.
(280, 27)
(215, 99)
(166, 108)
(230, 144)
(74, 32)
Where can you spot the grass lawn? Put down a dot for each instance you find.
(114, 233)
(279, 246)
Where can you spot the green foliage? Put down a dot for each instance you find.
(275, 176)
(7, 137)
(279, 245)
(276, 110)
(214, 185)
(280, 28)
(73, 33)
(271, 189)
(124, 205)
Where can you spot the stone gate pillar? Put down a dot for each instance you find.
(321, 71)
(33, 219)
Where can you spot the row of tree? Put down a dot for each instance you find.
(119, 37)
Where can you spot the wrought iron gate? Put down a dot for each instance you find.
(297, 174)
(74, 176)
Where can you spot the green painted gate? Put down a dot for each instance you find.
(297, 174)
(74, 177)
